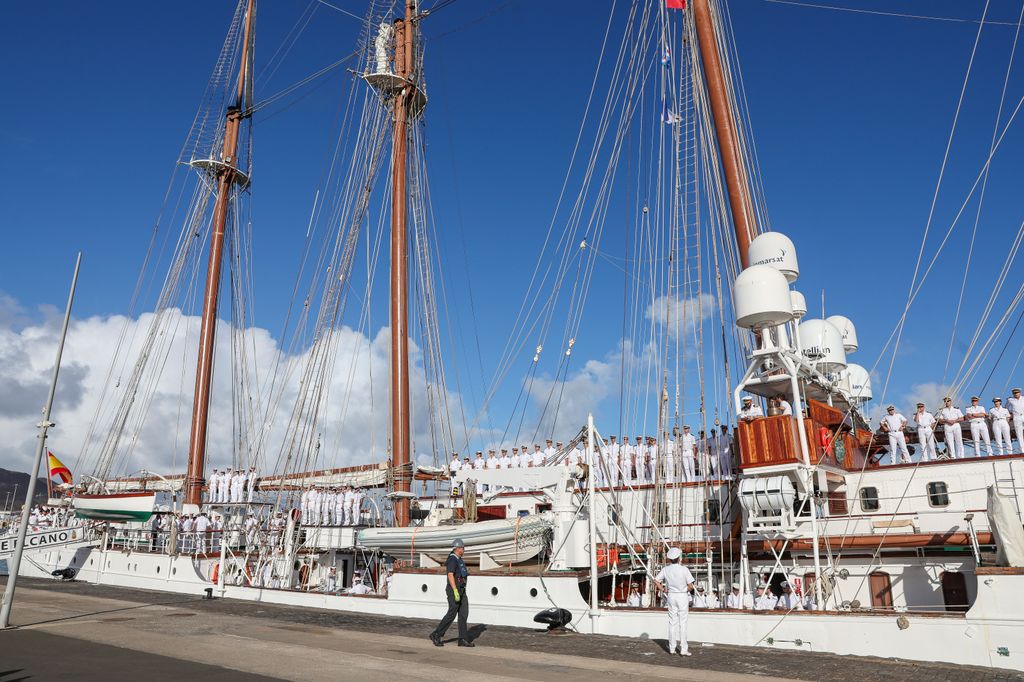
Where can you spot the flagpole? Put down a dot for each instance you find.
(15, 564)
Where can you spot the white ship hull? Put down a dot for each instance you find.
(987, 635)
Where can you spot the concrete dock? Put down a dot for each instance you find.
(103, 633)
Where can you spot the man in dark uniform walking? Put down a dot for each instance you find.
(455, 590)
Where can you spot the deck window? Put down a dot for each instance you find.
(869, 499)
(938, 494)
(712, 511)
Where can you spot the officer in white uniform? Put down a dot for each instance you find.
(504, 462)
(700, 598)
(675, 580)
(950, 418)
(537, 459)
(212, 486)
(978, 417)
(250, 484)
(347, 501)
(454, 467)
(1001, 426)
(640, 454)
(1015, 404)
(626, 461)
(687, 447)
(277, 525)
(750, 411)
(549, 453)
(893, 424)
(925, 433)
(478, 465)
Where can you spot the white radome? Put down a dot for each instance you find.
(822, 343)
(849, 331)
(858, 382)
(799, 304)
(761, 298)
(776, 250)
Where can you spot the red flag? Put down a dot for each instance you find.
(675, 4)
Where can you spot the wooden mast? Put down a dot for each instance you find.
(740, 203)
(227, 174)
(400, 437)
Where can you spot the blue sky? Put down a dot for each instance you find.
(850, 112)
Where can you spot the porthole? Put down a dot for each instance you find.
(90, 562)
(174, 571)
(157, 569)
(494, 591)
(108, 563)
(424, 588)
(533, 591)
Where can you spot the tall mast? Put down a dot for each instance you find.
(227, 174)
(740, 203)
(401, 445)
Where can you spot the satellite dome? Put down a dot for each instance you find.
(858, 382)
(776, 250)
(799, 304)
(822, 344)
(761, 298)
(848, 331)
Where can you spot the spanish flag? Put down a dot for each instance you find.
(57, 468)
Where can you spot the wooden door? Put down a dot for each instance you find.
(881, 590)
(954, 591)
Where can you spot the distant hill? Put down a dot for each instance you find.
(10, 479)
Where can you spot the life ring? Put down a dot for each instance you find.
(216, 573)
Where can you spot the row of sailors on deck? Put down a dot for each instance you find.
(763, 599)
(951, 419)
(331, 506)
(231, 486)
(624, 463)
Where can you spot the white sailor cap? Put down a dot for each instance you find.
(784, 584)
(747, 399)
(974, 397)
(700, 587)
(1014, 390)
(947, 398)
(761, 587)
(674, 553)
(890, 407)
(997, 399)
(735, 586)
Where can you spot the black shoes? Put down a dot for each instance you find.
(465, 642)
(435, 639)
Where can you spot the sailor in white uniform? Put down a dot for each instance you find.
(304, 507)
(627, 461)
(978, 416)
(734, 600)
(925, 433)
(612, 458)
(277, 525)
(224, 490)
(537, 458)
(750, 411)
(764, 600)
(687, 448)
(504, 462)
(789, 600)
(212, 486)
(725, 452)
(238, 486)
(651, 458)
(549, 452)
(893, 424)
(675, 580)
(668, 458)
(454, 467)
(1015, 404)
(700, 599)
(950, 418)
(250, 484)
(1001, 426)
(478, 465)
(640, 454)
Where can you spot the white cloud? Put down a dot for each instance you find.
(674, 311)
(353, 428)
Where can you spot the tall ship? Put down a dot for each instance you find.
(744, 434)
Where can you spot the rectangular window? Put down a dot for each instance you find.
(869, 499)
(938, 494)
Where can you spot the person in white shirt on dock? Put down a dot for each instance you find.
(893, 424)
(1001, 426)
(687, 449)
(978, 416)
(1015, 404)
(950, 418)
(925, 433)
(750, 411)
(675, 580)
